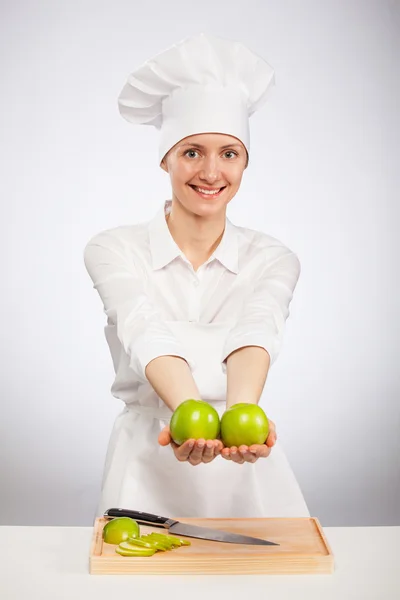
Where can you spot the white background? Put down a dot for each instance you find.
(323, 178)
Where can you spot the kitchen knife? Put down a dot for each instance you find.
(175, 527)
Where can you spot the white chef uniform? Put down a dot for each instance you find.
(156, 304)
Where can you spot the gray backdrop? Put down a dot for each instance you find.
(323, 178)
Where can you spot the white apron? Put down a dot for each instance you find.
(142, 475)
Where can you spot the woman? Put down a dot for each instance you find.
(195, 305)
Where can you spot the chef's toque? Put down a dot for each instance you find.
(203, 84)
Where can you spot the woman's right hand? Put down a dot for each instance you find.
(192, 451)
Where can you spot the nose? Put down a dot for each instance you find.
(211, 170)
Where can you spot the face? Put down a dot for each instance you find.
(205, 162)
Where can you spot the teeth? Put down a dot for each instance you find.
(209, 192)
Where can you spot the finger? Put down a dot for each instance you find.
(208, 453)
(247, 455)
(226, 454)
(218, 446)
(264, 451)
(235, 455)
(260, 450)
(196, 454)
(164, 437)
(272, 437)
(182, 452)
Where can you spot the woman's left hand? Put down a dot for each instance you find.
(252, 453)
(193, 451)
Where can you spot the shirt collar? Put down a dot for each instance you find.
(164, 249)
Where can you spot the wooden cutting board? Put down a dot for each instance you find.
(303, 549)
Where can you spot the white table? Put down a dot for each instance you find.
(43, 563)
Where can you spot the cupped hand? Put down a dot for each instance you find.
(252, 453)
(192, 451)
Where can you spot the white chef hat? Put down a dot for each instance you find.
(203, 84)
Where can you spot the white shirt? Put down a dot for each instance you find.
(144, 280)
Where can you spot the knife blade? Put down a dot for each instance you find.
(176, 527)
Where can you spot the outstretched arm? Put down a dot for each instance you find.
(247, 370)
(254, 343)
(154, 352)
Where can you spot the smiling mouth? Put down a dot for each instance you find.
(207, 193)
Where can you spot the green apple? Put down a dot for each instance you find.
(126, 549)
(194, 419)
(244, 424)
(120, 530)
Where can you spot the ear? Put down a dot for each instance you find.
(164, 165)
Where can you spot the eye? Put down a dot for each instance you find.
(191, 151)
(231, 152)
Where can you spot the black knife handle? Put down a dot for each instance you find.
(140, 517)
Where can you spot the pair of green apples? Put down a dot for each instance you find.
(241, 424)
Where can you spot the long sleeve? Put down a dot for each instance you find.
(266, 308)
(140, 328)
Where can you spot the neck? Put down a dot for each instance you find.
(195, 235)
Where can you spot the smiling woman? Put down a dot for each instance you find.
(209, 166)
(196, 306)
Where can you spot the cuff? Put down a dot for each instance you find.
(267, 340)
(143, 352)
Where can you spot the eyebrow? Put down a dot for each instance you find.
(203, 147)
